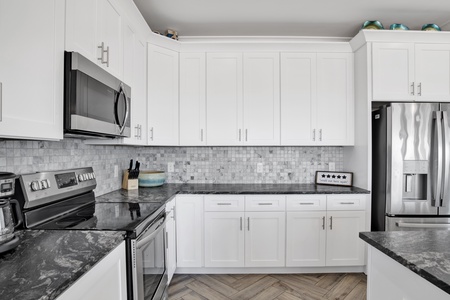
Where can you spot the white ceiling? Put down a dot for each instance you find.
(328, 18)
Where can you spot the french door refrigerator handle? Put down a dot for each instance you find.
(438, 120)
(446, 157)
(422, 225)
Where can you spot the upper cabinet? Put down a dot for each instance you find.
(192, 99)
(31, 72)
(411, 72)
(317, 99)
(94, 29)
(261, 99)
(224, 99)
(162, 96)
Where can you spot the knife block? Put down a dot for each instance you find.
(129, 184)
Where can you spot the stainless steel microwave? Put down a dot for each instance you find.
(96, 104)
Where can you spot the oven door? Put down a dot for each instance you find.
(149, 262)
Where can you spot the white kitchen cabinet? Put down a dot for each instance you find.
(393, 72)
(162, 96)
(432, 76)
(411, 72)
(335, 103)
(298, 98)
(344, 247)
(192, 99)
(107, 280)
(189, 224)
(317, 102)
(31, 72)
(94, 29)
(319, 235)
(171, 250)
(224, 239)
(261, 98)
(265, 239)
(305, 239)
(224, 99)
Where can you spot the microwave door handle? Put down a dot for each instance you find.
(127, 109)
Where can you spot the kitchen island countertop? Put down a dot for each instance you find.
(426, 252)
(47, 262)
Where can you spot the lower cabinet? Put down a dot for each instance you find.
(171, 250)
(105, 281)
(189, 225)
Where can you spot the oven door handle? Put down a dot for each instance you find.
(154, 229)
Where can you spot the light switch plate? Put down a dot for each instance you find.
(334, 178)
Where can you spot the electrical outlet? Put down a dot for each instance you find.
(331, 166)
(116, 171)
(259, 167)
(171, 167)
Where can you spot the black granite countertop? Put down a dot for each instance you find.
(47, 262)
(426, 252)
(165, 192)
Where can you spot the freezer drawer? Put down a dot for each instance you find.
(417, 223)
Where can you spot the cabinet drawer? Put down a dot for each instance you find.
(306, 202)
(224, 203)
(346, 202)
(265, 203)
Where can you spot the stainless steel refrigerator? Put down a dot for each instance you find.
(411, 164)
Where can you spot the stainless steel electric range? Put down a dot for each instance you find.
(64, 200)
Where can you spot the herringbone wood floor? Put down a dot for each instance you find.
(267, 287)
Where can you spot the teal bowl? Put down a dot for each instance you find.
(372, 25)
(431, 27)
(151, 178)
(397, 26)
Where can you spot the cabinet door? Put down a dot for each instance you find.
(31, 72)
(162, 96)
(224, 239)
(335, 117)
(344, 247)
(189, 226)
(192, 99)
(110, 33)
(298, 98)
(305, 239)
(433, 72)
(261, 90)
(393, 72)
(171, 251)
(224, 99)
(265, 239)
(107, 280)
(81, 28)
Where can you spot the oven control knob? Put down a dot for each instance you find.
(85, 176)
(90, 176)
(80, 178)
(93, 175)
(44, 184)
(35, 186)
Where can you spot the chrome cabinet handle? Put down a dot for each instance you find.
(167, 240)
(1, 101)
(102, 52)
(323, 222)
(239, 135)
(412, 88)
(346, 202)
(151, 133)
(419, 89)
(248, 223)
(107, 56)
(320, 134)
(265, 203)
(223, 203)
(314, 135)
(241, 223)
(246, 134)
(136, 131)
(331, 223)
(201, 135)
(140, 132)
(306, 203)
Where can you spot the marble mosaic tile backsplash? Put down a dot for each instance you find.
(191, 164)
